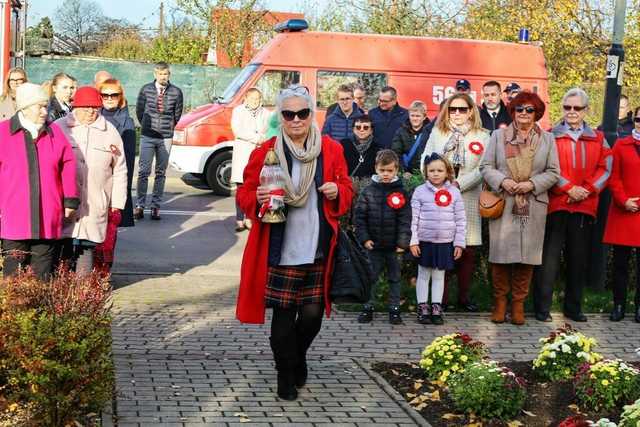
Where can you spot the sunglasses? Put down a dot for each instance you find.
(461, 110)
(636, 119)
(289, 115)
(521, 108)
(16, 80)
(110, 95)
(362, 127)
(572, 107)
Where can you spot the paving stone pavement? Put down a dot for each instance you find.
(183, 360)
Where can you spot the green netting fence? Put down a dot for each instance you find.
(199, 83)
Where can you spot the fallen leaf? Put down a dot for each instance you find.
(394, 372)
(415, 401)
(240, 414)
(514, 423)
(435, 396)
(421, 406)
(530, 414)
(413, 365)
(411, 395)
(452, 417)
(364, 408)
(574, 407)
(245, 420)
(417, 385)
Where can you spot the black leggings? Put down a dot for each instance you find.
(294, 329)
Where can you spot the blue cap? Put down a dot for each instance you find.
(463, 84)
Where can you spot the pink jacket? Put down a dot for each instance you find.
(37, 181)
(438, 221)
(102, 175)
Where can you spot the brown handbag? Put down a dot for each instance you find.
(491, 205)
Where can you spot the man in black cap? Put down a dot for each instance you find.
(463, 86)
(512, 90)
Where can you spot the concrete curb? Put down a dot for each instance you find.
(393, 394)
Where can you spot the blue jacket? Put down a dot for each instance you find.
(338, 126)
(386, 123)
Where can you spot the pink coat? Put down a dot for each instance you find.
(102, 175)
(37, 181)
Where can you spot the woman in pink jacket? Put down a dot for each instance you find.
(38, 184)
(102, 174)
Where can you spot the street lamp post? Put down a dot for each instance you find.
(615, 74)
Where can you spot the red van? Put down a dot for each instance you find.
(418, 67)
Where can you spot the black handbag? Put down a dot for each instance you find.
(352, 271)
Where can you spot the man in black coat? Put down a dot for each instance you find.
(387, 117)
(493, 112)
(158, 109)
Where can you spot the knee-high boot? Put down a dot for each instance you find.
(501, 285)
(285, 354)
(521, 279)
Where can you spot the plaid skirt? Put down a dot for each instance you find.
(295, 286)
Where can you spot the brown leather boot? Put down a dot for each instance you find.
(522, 274)
(500, 275)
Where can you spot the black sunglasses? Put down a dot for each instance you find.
(572, 107)
(461, 110)
(362, 127)
(636, 119)
(521, 108)
(110, 95)
(289, 115)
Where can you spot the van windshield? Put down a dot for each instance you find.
(237, 83)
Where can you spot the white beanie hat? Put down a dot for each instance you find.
(28, 94)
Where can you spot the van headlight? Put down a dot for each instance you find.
(178, 136)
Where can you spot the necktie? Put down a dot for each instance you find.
(161, 100)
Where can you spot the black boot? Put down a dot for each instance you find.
(285, 359)
(301, 371)
(617, 314)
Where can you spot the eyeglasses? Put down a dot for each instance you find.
(16, 80)
(522, 108)
(572, 107)
(289, 115)
(362, 127)
(110, 95)
(461, 110)
(636, 119)
(384, 101)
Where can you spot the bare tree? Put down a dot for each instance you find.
(79, 20)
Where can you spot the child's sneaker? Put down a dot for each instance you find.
(394, 315)
(436, 314)
(366, 316)
(424, 313)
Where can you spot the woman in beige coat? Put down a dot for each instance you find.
(249, 126)
(458, 135)
(102, 173)
(15, 77)
(520, 163)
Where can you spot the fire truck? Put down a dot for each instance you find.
(13, 22)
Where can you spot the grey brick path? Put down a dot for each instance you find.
(182, 359)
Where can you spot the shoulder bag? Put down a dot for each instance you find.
(353, 276)
(490, 204)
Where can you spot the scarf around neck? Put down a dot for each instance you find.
(297, 197)
(454, 148)
(519, 155)
(363, 145)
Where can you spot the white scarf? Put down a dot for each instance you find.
(29, 126)
(297, 197)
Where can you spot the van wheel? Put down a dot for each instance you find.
(218, 173)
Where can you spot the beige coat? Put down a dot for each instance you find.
(469, 178)
(248, 130)
(509, 240)
(101, 174)
(7, 108)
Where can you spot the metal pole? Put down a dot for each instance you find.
(615, 71)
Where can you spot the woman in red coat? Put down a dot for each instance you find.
(288, 266)
(623, 223)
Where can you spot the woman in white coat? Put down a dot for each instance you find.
(458, 135)
(249, 126)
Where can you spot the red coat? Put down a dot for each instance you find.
(623, 227)
(586, 163)
(253, 273)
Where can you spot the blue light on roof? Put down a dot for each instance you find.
(291, 25)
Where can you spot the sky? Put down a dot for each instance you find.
(136, 11)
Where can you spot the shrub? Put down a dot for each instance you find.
(450, 354)
(562, 354)
(488, 390)
(55, 345)
(607, 384)
(630, 416)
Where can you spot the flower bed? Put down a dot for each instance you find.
(483, 392)
(55, 349)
